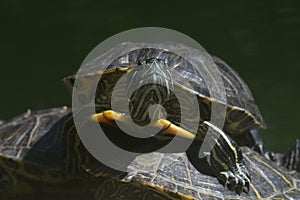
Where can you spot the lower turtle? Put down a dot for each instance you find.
(42, 156)
(172, 176)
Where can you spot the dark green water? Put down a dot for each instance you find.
(42, 41)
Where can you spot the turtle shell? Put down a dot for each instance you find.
(193, 71)
(33, 157)
(31, 146)
(31, 149)
(24, 136)
(172, 176)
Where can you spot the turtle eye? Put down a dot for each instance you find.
(141, 62)
(163, 62)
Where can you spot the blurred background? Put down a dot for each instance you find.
(43, 41)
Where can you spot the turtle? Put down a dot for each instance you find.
(34, 163)
(42, 149)
(167, 73)
(33, 154)
(172, 176)
(290, 160)
(42, 155)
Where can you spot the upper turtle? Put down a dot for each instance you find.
(179, 90)
(189, 71)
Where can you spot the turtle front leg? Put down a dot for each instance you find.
(224, 161)
(166, 127)
(290, 160)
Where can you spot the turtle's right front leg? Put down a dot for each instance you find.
(225, 159)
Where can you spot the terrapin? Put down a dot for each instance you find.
(172, 176)
(34, 164)
(44, 146)
(33, 154)
(168, 73)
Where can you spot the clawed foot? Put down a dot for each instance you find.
(291, 160)
(237, 181)
(226, 160)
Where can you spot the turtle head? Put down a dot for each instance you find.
(149, 83)
(149, 72)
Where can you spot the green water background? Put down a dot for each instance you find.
(43, 41)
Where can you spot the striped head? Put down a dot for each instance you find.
(149, 84)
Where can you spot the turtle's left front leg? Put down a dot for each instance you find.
(290, 160)
(225, 158)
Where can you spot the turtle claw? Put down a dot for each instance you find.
(226, 160)
(246, 188)
(237, 181)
